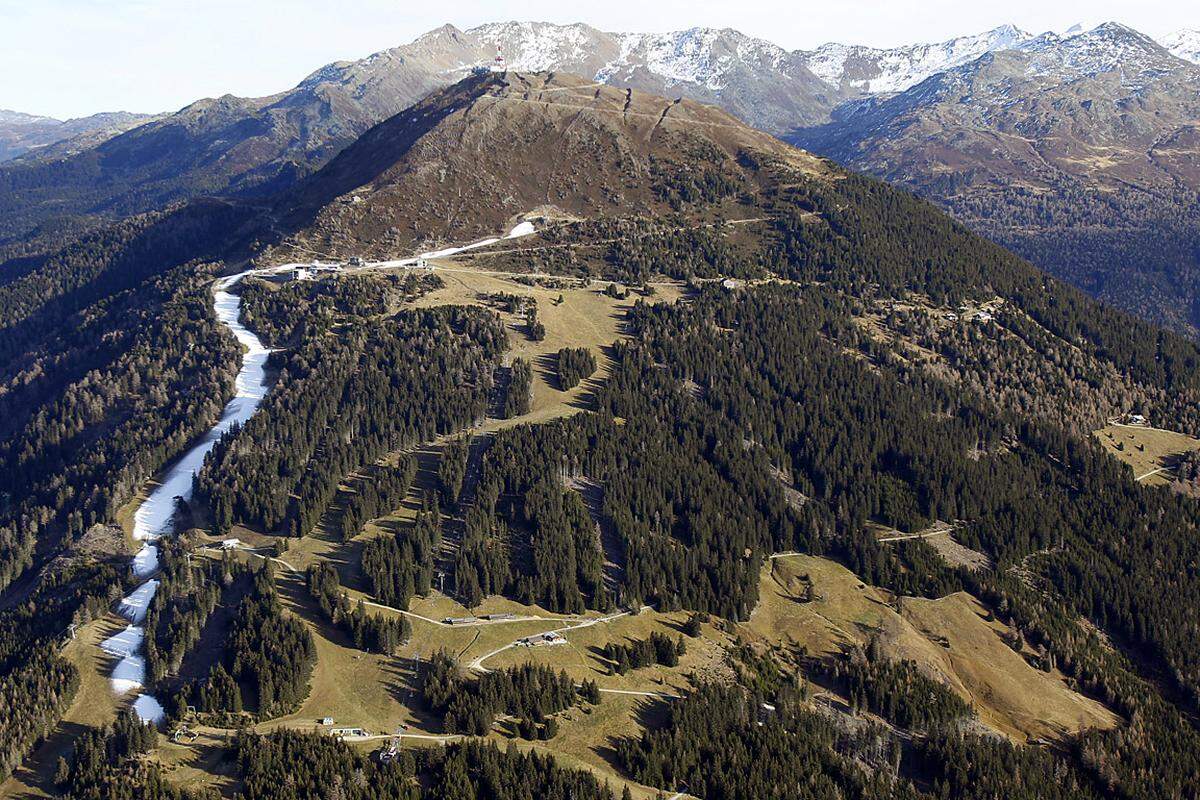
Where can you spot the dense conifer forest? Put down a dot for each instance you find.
(530, 692)
(341, 402)
(36, 683)
(574, 365)
(376, 633)
(186, 598)
(268, 657)
(400, 566)
(104, 403)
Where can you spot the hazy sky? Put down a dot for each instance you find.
(74, 57)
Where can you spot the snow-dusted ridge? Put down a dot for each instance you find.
(1184, 44)
(706, 57)
(876, 71)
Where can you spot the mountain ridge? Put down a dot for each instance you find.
(22, 133)
(1134, 126)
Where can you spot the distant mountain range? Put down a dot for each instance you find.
(1068, 147)
(20, 133)
(1081, 152)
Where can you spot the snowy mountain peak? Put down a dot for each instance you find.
(1110, 47)
(536, 46)
(1184, 44)
(702, 56)
(877, 71)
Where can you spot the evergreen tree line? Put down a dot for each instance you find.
(876, 238)
(91, 410)
(530, 692)
(452, 469)
(693, 518)
(374, 494)
(266, 661)
(534, 326)
(375, 633)
(399, 566)
(536, 543)
(300, 309)
(1052, 490)
(187, 595)
(288, 765)
(640, 653)
(704, 174)
(896, 691)
(574, 365)
(722, 742)
(103, 765)
(344, 401)
(520, 389)
(38, 684)
(33, 697)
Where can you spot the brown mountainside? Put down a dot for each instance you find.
(468, 160)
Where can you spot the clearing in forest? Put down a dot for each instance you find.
(1152, 453)
(951, 640)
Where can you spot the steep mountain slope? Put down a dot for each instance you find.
(757, 81)
(259, 145)
(463, 163)
(20, 133)
(795, 359)
(255, 146)
(1078, 151)
(1089, 135)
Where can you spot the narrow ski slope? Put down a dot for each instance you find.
(154, 517)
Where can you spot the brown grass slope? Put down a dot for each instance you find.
(466, 161)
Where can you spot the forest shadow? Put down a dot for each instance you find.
(546, 365)
(650, 714)
(403, 679)
(37, 771)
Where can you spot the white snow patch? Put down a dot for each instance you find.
(128, 674)
(145, 563)
(900, 68)
(1184, 44)
(135, 606)
(127, 642)
(523, 229)
(149, 709)
(1107, 48)
(449, 251)
(153, 517)
(536, 46)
